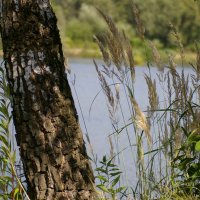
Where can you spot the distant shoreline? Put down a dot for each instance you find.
(189, 57)
(82, 52)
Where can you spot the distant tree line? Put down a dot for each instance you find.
(80, 19)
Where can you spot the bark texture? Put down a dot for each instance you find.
(47, 130)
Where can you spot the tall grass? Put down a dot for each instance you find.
(164, 138)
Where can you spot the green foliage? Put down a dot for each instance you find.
(84, 33)
(187, 163)
(10, 184)
(180, 173)
(109, 178)
(83, 28)
(81, 16)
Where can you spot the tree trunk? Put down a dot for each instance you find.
(51, 144)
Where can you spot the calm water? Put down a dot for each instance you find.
(87, 86)
(97, 123)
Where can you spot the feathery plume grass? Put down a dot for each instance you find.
(178, 39)
(156, 56)
(172, 119)
(115, 46)
(152, 93)
(139, 23)
(103, 48)
(140, 118)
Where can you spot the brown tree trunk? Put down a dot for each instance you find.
(53, 153)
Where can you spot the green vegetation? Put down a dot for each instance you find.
(79, 21)
(109, 178)
(166, 146)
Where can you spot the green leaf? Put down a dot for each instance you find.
(111, 191)
(16, 191)
(102, 178)
(191, 170)
(13, 156)
(114, 169)
(6, 179)
(115, 174)
(103, 188)
(103, 163)
(6, 151)
(178, 158)
(115, 181)
(194, 137)
(110, 164)
(4, 140)
(118, 190)
(184, 162)
(101, 170)
(4, 196)
(104, 159)
(4, 111)
(197, 146)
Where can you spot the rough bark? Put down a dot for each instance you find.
(55, 162)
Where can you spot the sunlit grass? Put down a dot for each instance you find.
(166, 151)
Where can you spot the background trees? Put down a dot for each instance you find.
(79, 20)
(156, 15)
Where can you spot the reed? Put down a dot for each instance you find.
(164, 138)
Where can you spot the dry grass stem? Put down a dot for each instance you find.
(112, 102)
(173, 113)
(156, 56)
(114, 45)
(103, 49)
(152, 93)
(140, 119)
(178, 39)
(139, 23)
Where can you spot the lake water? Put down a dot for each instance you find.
(96, 123)
(87, 87)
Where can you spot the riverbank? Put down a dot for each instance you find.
(140, 57)
(186, 58)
